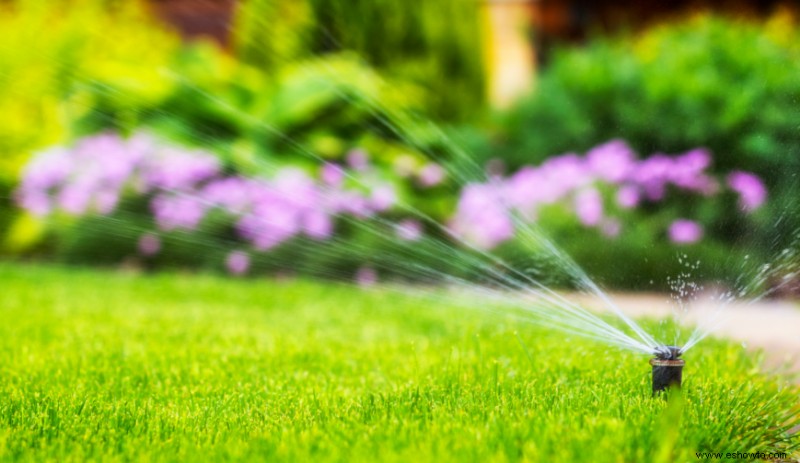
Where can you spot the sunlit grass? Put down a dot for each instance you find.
(109, 366)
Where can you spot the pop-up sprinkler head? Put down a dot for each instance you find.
(667, 368)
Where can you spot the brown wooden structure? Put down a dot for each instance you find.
(558, 21)
(197, 18)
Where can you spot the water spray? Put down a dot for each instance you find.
(667, 368)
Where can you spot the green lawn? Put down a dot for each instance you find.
(107, 366)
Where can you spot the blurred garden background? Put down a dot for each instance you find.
(357, 230)
(337, 138)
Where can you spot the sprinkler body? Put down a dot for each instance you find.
(667, 368)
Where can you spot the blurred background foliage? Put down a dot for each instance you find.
(436, 45)
(50, 52)
(311, 80)
(93, 65)
(725, 84)
(729, 85)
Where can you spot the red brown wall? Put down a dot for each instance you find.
(197, 18)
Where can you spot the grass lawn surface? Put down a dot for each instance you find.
(108, 366)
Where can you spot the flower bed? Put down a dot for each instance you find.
(608, 190)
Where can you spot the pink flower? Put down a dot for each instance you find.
(48, 169)
(177, 212)
(106, 201)
(532, 187)
(565, 173)
(612, 161)
(332, 175)
(751, 190)
(237, 263)
(75, 198)
(366, 276)
(431, 175)
(232, 194)
(350, 202)
(481, 219)
(409, 230)
(383, 197)
(696, 160)
(35, 202)
(149, 244)
(628, 196)
(317, 224)
(358, 159)
(589, 206)
(653, 175)
(173, 168)
(688, 172)
(270, 224)
(683, 231)
(527, 188)
(294, 186)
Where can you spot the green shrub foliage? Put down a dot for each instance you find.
(727, 85)
(436, 44)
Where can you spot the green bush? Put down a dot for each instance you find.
(435, 44)
(49, 52)
(730, 86)
(306, 112)
(79, 83)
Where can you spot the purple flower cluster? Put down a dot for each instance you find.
(185, 187)
(485, 211)
(88, 177)
(685, 231)
(268, 213)
(752, 192)
(92, 176)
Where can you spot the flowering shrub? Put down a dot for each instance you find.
(187, 188)
(180, 190)
(741, 105)
(597, 188)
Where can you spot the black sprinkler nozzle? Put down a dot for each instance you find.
(667, 368)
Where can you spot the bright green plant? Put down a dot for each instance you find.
(305, 112)
(437, 45)
(50, 52)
